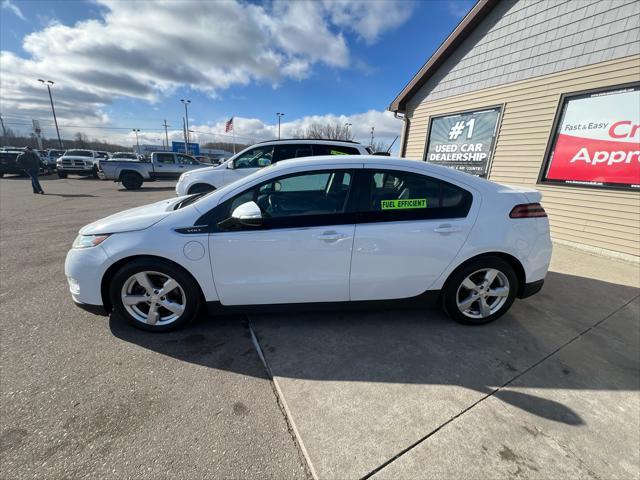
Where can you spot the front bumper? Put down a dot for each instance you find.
(84, 269)
(94, 309)
(181, 188)
(77, 171)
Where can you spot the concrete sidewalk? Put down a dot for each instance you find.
(549, 390)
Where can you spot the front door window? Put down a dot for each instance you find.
(258, 157)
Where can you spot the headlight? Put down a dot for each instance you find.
(86, 241)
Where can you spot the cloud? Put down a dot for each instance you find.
(13, 8)
(252, 130)
(146, 50)
(369, 19)
(459, 8)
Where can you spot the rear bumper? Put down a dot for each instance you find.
(531, 288)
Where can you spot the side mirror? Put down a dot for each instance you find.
(263, 162)
(248, 214)
(230, 165)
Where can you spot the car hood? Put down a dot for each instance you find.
(74, 157)
(137, 218)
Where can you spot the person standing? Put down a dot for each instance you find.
(30, 163)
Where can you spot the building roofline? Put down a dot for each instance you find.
(455, 38)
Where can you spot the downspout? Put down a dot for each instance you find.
(405, 130)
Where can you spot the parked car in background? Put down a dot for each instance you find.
(126, 156)
(78, 162)
(162, 166)
(55, 154)
(101, 155)
(8, 162)
(48, 163)
(318, 230)
(259, 156)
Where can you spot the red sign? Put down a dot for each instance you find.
(598, 141)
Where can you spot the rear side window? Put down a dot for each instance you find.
(394, 195)
(166, 158)
(334, 150)
(284, 152)
(187, 160)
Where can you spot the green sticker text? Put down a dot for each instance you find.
(403, 204)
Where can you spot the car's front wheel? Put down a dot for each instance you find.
(155, 295)
(62, 174)
(480, 291)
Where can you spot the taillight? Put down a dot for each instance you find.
(528, 210)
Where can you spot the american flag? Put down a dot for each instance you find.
(229, 126)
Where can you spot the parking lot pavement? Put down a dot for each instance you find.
(85, 396)
(551, 390)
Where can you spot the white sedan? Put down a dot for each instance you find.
(326, 230)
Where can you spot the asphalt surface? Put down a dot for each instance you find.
(84, 396)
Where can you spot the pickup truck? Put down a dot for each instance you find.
(78, 162)
(162, 166)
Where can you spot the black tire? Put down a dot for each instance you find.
(62, 174)
(1, 174)
(201, 188)
(453, 289)
(192, 294)
(94, 174)
(131, 180)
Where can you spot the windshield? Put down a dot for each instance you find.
(55, 153)
(79, 153)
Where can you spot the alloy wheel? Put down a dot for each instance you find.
(153, 298)
(482, 293)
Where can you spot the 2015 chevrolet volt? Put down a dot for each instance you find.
(318, 230)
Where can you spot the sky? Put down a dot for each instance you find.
(119, 65)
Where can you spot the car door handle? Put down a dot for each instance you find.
(330, 236)
(446, 228)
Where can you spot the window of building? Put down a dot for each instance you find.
(595, 141)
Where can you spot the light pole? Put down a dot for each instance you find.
(48, 83)
(166, 133)
(279, 116)
(186, 116)
(136, 130)
(372, 129)
(347, 130)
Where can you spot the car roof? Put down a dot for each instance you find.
(375, 161)
(310, 141)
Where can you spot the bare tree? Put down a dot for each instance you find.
(81, 139)
(329, 131)
(379, 146)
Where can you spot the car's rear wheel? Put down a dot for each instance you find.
(201, 188)
(62, 174)
(155, 295)
(131, 180)
(480, 291)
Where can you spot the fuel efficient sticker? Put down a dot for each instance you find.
(403, 204)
